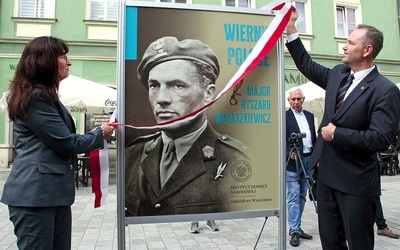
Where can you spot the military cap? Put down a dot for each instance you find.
(169, 48)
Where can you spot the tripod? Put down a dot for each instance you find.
(294, 143)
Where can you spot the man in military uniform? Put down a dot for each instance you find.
(186, 167)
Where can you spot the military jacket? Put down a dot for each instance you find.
(200, 183)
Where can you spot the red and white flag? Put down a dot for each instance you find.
(99, 167)
(100, 170)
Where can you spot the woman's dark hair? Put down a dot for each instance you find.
(37, 70)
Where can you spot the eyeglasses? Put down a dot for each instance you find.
(298, 99)
(65, 57)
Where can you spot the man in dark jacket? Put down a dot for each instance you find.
(357, 124)
(300, 132)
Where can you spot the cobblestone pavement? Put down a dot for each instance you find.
(97, 228)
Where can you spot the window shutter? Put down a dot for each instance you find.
(36, 8)
(27, 8)
(105, 10)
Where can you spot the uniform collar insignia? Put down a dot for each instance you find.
(208, 152)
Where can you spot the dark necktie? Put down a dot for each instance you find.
(343, 89)
(168, 162)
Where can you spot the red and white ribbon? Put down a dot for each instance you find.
(99, 167)
(100, 171)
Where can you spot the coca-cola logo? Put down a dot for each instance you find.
(110, 103)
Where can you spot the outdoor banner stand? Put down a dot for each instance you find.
(251, 112)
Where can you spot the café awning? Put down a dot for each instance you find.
(81, 96)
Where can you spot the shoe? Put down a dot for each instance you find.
(194, 228)
(211, 225)
(387, 232)
(303, 235)
(295, 240)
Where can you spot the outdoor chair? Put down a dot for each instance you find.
(389, 162)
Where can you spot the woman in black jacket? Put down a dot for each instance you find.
(40, 189)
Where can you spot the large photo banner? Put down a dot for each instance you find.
(226, 160)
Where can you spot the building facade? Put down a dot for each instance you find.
(90, 28)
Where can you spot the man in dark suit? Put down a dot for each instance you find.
(180, 77)
(298, 121)
(350, 134)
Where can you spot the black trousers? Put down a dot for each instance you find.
(345, 221)
(47, 228)
(379, 218)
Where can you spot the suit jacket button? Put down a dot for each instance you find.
(157, 206)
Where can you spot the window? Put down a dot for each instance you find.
(301, 20)
(36, 8)
(346, 20)
(104, 10)
(304, 20)
(237, 3)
